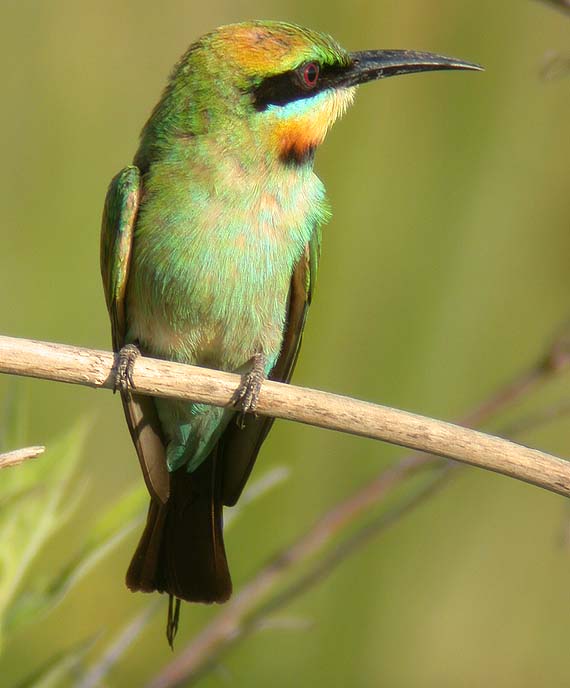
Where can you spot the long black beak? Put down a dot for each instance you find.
(369, 65)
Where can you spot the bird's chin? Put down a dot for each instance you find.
(300, 131)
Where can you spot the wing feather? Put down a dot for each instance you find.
(117, 231)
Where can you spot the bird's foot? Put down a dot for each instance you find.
(124, 370)
(246, 396)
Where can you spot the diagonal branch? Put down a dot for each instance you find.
(240, 615)
(261, 595)
(321, 409)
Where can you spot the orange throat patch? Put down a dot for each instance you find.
(303, 125)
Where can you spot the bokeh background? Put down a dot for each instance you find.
(445, 271)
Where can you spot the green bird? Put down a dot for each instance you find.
(209, 252)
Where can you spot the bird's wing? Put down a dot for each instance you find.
(119, 216)
(239, 447)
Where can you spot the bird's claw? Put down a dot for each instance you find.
(173, 620)
(124, 371)
(247, 395)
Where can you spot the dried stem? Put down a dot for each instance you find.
(244, 613)
(238, 617)
(352, 543)
(18, 456)
(167, 379)
(161, 378)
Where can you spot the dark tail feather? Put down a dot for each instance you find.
(181, 550)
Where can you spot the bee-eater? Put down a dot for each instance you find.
(209, 252)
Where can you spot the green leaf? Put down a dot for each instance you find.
(110, 529)
(32, 520)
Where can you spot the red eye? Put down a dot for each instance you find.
(310, 74)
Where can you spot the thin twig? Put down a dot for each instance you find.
(237, 620)
(522, 385)
(18, 456)
(541, 417)
(166, 379)
(328, 563)
(554, 362)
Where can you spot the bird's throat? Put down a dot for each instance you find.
(297, 150)
(302, 126)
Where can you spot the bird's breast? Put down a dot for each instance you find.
(212, 267)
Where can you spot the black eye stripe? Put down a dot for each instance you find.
(289, 86)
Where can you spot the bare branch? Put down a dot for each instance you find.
(166, 379)
(18, 456)
(242, 614)
(234, 623)
(325, 565)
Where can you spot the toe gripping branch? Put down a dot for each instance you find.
(124, 369)
(246, 397)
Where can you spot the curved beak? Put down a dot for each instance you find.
(370, 65)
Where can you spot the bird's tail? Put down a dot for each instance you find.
(181, 550)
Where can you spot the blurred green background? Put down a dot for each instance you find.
(445, 271)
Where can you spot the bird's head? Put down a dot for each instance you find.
(286, 84)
